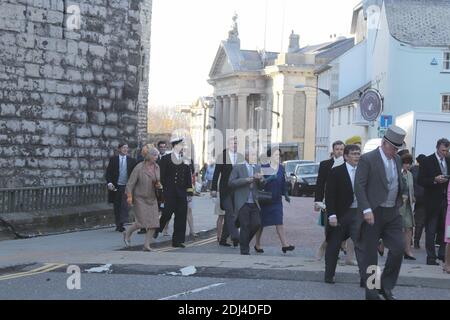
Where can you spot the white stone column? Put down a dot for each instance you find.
(310, 125)
(242, 111)
(288, 116)
(218, 113)
(226, 113)
(233, 124)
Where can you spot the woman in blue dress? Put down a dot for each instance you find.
(272, 214)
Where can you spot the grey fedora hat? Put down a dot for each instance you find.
(395, 136)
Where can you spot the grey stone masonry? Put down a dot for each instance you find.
(73, 84)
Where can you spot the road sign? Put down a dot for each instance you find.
(371, 105)
(385, 121)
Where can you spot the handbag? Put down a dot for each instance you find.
(159, 194)
(264, 197)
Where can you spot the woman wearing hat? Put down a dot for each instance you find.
(141, 192)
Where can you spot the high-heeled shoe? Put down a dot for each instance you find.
(259, 250)
(408, 257)
(446, 271)
(289, 248)
(147, 249)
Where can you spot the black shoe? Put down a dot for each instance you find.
(178, 245)
(245, 253)
(442, 258)
(224, 244)
(155, 235)
(142, 231)
(387, 294)
(259, 250)
(361, 283)
(416, 244)
(408, 257)
(235, 243)
(289, 248)
(120, 229)
(330, 280)
(432, 262)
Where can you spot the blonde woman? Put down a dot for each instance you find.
(140, 191)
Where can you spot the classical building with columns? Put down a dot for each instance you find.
(256, 89)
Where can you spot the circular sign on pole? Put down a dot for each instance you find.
(371, 105)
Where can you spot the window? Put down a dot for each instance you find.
(447, 61)
(446, 103)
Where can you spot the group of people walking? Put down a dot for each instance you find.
(367, 202)
(371, 199)
(242, 211)
(157, 187)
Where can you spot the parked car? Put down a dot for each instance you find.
(289, 168)
(304, 179)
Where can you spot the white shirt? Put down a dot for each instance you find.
(233, 157)
(443, 162)
(351, 172)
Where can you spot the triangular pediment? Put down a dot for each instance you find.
(226, 61)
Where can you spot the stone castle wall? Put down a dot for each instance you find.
(67, 97)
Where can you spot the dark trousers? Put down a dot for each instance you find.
(178, 206)
(229, 226)
(389, 227)
(434, 232)
(419, 219)
(346, 228)
(250, 222)
(120, 207)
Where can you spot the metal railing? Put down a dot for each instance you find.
(44, 198)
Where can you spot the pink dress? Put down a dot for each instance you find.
(447, 219)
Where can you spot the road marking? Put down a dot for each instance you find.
(197, 243)
(193, 291)
(46, 268)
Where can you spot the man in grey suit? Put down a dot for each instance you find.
(244, 182)
(378, 192)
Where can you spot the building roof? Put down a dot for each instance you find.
(352, 97)
(422, 23)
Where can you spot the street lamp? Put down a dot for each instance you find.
(325, 91)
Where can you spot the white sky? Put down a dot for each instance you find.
(187, 33)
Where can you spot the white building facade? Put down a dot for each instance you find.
(403, 51)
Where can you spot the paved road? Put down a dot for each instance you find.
(221, 273)
(139, 282)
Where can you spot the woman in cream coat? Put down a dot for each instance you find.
(140, 191)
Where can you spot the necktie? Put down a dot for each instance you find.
(390, 176)
(442, 167)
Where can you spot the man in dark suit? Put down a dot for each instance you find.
(378, 192)
(162, 148)
(245, 180)
(177, 188)
(342, 214)
(433, 177)
(324, 169)
(117, 173)
(224, 165)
